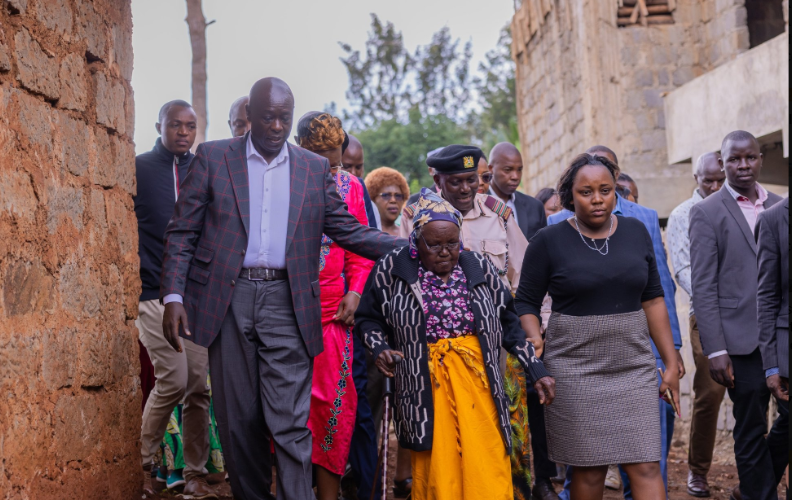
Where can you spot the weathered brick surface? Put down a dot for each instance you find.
(5, 59)
(109, 103)
(38, 71)
(69, 271)
(56, 15)
(73, 83)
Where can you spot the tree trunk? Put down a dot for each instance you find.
(196, 22)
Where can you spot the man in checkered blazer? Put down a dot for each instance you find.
(241, 277)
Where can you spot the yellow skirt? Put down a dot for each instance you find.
(468, 459)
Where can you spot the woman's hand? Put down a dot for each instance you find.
(538, 345)
(347, 308)
(545, 388)
(386, 362)
(671, 381)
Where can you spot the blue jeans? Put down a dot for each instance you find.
(667, 433)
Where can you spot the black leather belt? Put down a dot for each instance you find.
(263, 274)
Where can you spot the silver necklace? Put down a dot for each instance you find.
(595, 248)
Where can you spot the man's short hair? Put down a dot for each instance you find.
(163, 112)
(626, 178)
(603, 149)
(700, 162)
(738, 135)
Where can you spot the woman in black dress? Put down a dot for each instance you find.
(601, 273)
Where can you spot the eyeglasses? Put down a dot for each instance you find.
(485, 178)
(450, 247)
(395, 196)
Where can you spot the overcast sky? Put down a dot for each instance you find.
(296, 40)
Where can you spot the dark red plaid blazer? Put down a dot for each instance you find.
(206, 239)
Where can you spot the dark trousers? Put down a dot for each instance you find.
(544, 469)
(363, 450)
(707, 399)
(261, 384)
(760, 460)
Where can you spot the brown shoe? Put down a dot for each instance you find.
(735, 494)
(697, 485)
(197, 488)
(148, 489)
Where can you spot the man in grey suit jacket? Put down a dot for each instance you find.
(772, 256)
(724, 276)
(242, 255)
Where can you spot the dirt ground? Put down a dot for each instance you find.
(722, 477)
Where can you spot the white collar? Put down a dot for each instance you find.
(250, 150)
(511, 198)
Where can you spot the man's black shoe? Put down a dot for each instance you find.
(543, 490)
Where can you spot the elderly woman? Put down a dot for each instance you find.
(342, 275)
(447, 313)
(389, 191)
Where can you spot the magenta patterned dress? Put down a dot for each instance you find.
(333, 395)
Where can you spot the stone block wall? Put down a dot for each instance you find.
(69, 271)
(550, 99)
(582, 81)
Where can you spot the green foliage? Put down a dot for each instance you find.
(403, 146)
(403, 105)
(496, 90)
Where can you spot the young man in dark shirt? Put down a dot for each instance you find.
(179, 374)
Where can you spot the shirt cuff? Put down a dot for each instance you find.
(771, 371)
(172, 297)
(716, 354)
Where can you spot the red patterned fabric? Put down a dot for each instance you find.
(207, 236)
(333, 394)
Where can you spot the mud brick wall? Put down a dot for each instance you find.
(69, 279)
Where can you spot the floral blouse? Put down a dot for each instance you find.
(446, 305)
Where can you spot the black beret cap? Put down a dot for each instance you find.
(455, 159)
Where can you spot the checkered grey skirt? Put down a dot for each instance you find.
(606, 406)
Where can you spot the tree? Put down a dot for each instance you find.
(387, 82)
(196, 23)
(377, 82)
(403, 146)
(496, 92)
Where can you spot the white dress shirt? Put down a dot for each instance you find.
(269, 185)
(678, 238)
(269, 208)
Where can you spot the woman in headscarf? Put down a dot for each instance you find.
(333, 395)
(447, 313)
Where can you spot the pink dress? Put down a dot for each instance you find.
(333, 395)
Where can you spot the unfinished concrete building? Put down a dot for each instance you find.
(69, 276)
(660, 81)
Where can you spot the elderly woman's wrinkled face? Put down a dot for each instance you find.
(438, 247)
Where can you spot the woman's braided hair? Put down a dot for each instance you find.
(568, 177)
(320, 132)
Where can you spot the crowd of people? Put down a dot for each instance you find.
(531, 340)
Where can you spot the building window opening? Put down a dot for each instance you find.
(645, 12)
(765, 20)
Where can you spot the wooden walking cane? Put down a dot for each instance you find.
(382, 461)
